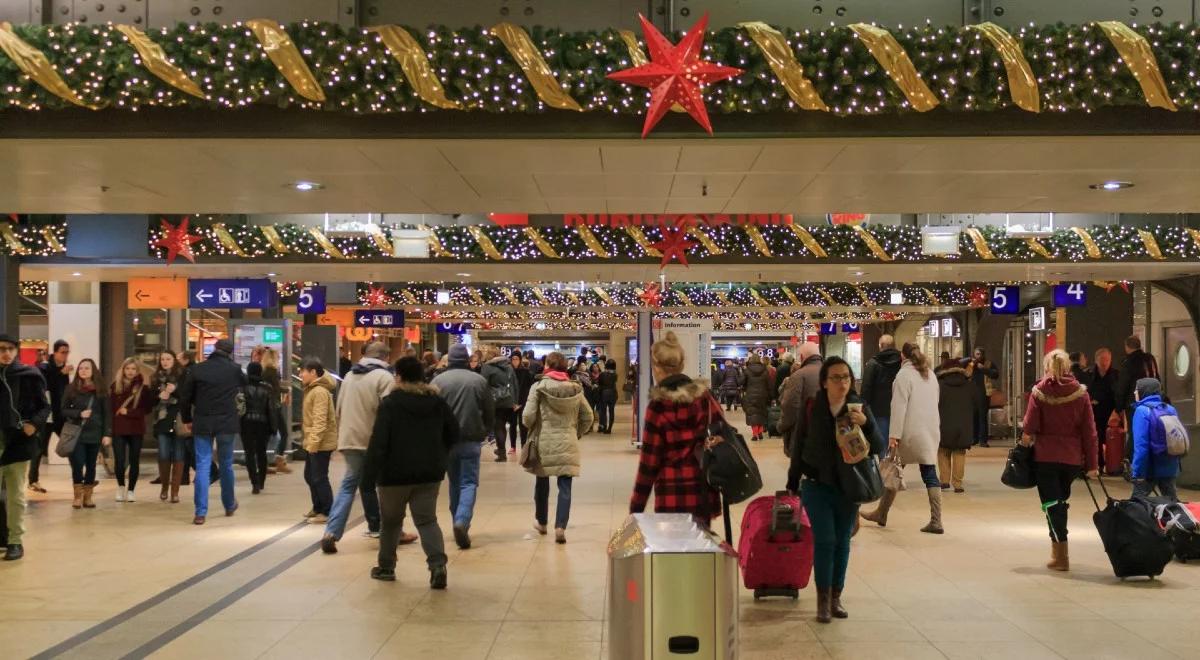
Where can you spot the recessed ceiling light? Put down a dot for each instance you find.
(463, 274)
(76, 274)
(859, 273)
(305, 186)
(270, 274)
(1111, 185)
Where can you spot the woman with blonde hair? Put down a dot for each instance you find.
(271, 378)
(1062, 430)
(129, 400)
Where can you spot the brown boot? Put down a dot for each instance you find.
(78, 501)
(281, 466)
(1059, 560)
(880, 514)
(935, 512)
(176, 477)
(824, 614)
(835, 605)
(87, 497)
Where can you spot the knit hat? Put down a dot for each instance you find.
(377, 350)
(1148, 387)
(224, 345)
(459, 354)
(254, 370)
(6, 338)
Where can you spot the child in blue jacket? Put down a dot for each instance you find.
(1152, 467)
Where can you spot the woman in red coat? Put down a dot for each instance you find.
(130, 400)
(1060, 426)
(676, 421)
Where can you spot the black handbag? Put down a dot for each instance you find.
(727, 464)
(861, 482)
(1018, 469)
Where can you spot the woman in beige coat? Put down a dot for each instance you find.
(557, 414)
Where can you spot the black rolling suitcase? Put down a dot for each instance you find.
(1135, 542)
(1181, 520)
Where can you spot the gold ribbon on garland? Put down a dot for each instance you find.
(530, 59)
(639, 237)
(705, 240)
(14, 243)
(791, 295)
(1195, 234)
(809, 241)
(589, 239)
(226, 239)
(759, 242)
(573, 298)
(981, 245)
(1093, 250)
(156, 62)
(415, 64)
(52, 240)
(476, 297)
(891, 56)
(866, 300)
(1037, 247)
(408, 296)
(1151, 244)
(286, 57)
(435, 243)
(510, 296)
(684, 297)
(1139, 58)
(829, 301)
(485, 243)
(326, 244)
(778, 53)
(34, 64)
(602, 295)
(873, 244)
(1022, 84)
(541, 296)
(758, 298)
(385, 246)
(542, 246)
(723, 298)
(273, 239)
(933, 299)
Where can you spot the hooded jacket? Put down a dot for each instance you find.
(503, 380)
(1146, 463)
(23, 397)
(469, 396)
(557, 414)
(358, 400)
(320, 419)
(956, 396)
(759, 389)
(1137, 365)
(878, 376)
(782, 373)
(816, 454)
(731, 381)
(208, 397)
(1059, 418)
(677, 418)
(411, 438)
(802, 385)
(141, 401)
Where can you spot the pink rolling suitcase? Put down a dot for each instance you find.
(775, 550)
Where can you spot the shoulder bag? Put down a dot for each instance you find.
(68, 437)
(1018, 468)
(530, 458)
(726, 461)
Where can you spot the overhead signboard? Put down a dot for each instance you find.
(1037, 318)
(829, 328)
(1005, 299)
(311, 300)
(453, 328)
(379, 318)
(948, 328)
(1070, 295)
(934, 328)
(851, 327)
(231, 294)
(158, 293)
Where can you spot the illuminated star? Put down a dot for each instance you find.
(651, 295)
(674, 245)
(177, 241)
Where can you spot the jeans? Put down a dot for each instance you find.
(929, 476)
(316, 475)
(254, 442)
(204, 459)
(170, 448)
(422, 499)
(352, 483)
(464, 481)
(541, 501)
(952, 465)
(1166, 488)
(981, 423)
(608, 413)
(884, 426)
(83, 463)
(1054, 489)
(832, 518)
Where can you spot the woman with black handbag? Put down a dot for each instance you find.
(86, 405)
(833, 488)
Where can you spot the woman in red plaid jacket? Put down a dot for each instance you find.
(676, 422)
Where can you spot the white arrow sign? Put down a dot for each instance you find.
(364, 320)
(202, 296)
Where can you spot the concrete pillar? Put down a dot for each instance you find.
(74, 315)
(618, 352)
(645, 380)
(116, 342)
(10, 296)
(176, 329)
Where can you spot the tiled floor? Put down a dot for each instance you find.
(980, 591)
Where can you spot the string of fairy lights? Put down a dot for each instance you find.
(1076, 68)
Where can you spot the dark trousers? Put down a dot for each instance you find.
(254, 442)
(41, 449)
(500, 430)
(316, 475)
(83, 463)
(1054, 489)
(541, 501)
(422, 499)
(832, 518)
(608, 412)
(127, 450)
(981, 422)
(516, 428)
(1166, 488)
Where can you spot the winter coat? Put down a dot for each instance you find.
(1059, 418)
(1103, 392)
(165, 410)
(802, 385)
(24, 397)
(557, 415)
(502, 379)
(1147, 464)
(56, 385)
(878, 376)
(608, 386)
(1137, 365)
(358, 399)
(955, 398)
(816, 454)
(208, 397)
(979, 375)
(524, 383)
(320, 425)
(411, 438)
(758, 393)
(470, 398)
(781, 376)
(140, 401)
(731, 381)
(94, 428)
(914, 418)
(262, 408)
(676, 421)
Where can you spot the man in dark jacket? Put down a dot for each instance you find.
(23, 411)
(1138, 364)
(878, 376)
(208, 408)
(980, 369)
(502, 379)
(56, 371)
(470, 398)
(1102, 388)
(407, 455)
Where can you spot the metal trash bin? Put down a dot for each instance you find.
(673, 591)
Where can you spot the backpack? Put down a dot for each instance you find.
(1167, 433)
(502, 392)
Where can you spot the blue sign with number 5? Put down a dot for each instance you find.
(1070, 295)
(311, 300)
(1005, 299)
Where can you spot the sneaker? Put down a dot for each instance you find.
(560, 536)
(384, 574)
(120, 496)
(945, 486)
(371, 534)
(129, 497)
(319, 519)
(461, 537)
(310, 514)
(437, 577)
(539, 528)
(329, 544)
(16, 551)
(36, 487)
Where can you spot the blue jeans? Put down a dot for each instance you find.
(541, 501)
(464, 481)
(83, 463)
(929, 476)
(343, 500)
(883, 425)
(170, 448)
(832, 518)
(204, 457)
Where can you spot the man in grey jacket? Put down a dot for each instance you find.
(470, 398)
(358, 399)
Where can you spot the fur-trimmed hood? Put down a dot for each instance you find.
(679, 389)
(1058, 392)
(953, 376)
(416, 399)
(417, 389)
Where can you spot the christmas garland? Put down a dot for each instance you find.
(324, 66)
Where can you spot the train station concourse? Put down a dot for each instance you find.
(607, 330)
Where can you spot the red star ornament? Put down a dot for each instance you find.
(674, 245)
(177, 241)
(376, 297)
(651, 295)
(675, 74)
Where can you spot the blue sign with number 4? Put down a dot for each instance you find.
(1005, 299)
(1070, 295)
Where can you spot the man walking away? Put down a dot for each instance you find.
(802, 385)
(208, 408)
(878, 376)
(470, 398)
(365, 385)
(23, 411)
(1138, 364)
(407, 457)
(57, 374)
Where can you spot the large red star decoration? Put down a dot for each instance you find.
(651, 295)
(979, 297)
(177, 241)
(675, 74)
(674, 245)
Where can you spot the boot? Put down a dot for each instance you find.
(87, 497)
(824, 614)
(281, 466)
(835, 605)
(1059, 560)
(935, 512)
(78, 501)
(176, 477)
(880, 514)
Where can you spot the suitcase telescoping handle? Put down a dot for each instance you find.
(776, 508)
(1088, 482)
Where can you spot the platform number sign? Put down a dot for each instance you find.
(829, 329)
(1005, 299)
(311, 300)
(1070, 295)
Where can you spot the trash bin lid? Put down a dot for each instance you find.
(651, 533)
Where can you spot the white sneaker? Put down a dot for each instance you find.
(539, 527)
(129, 497)
(370, 535)
(120, 494)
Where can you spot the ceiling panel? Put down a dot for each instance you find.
(404, 156)
(553, 156)
(797, 156)
(882, 155)
(697, 204)
(701, 185)
(718, 158)
(504, 183)
(772, 185)
(644, 157)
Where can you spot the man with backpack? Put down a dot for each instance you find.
(878, 376)
(1159, 442)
